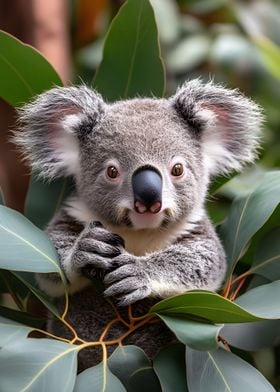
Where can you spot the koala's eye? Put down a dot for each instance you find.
(112, 172)
(177, 170)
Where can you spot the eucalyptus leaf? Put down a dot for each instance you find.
(38, 365)
(247, 215)
(144, 379)
(10, 284)
(252, 336)
(131, 63)
(205, 305)
(24, 72)
(98, 379)
(220, 370)
(42, 297)
(170, 368)
(126, 360)
(28, 320)
(197, 335)
(1, 197)
(11, 330)
(256, 281)
(44, 199)
(270, 54)
(220, 181)
(267, 257)
(24, 247)
(262, 301)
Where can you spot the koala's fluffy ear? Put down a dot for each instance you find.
(53, 125)
(226, 122)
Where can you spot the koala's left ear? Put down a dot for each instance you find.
(53, 125)
(226, 122)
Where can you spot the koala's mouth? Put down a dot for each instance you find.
(147, 220)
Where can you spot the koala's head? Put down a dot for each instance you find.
(141, 163)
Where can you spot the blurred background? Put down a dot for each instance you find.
(232, 42)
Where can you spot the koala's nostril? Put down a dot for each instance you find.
(156, 207)
(140, 207)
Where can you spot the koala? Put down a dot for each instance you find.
(136, 219)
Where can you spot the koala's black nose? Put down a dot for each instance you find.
(147, 190)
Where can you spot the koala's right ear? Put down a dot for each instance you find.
(52, 125)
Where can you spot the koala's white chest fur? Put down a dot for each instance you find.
(137, 242)
(142, 242)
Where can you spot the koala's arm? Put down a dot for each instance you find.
(76, 246)
(195, 261)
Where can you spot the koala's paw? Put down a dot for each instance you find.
(127, 282)
(96, 250)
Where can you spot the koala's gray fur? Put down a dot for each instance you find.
(71, 130)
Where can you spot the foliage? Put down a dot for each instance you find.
(209, 326)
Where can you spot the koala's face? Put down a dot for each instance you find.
(141, 167)
(141, 163)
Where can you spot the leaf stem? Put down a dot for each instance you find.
(233, 296)
(227, 287)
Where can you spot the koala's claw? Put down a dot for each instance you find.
(120, 273)
(133, 297)
(127, 282)
(126, 292)
(104, 235)
(96, 250)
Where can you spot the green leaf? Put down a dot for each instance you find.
(170, 368)
(38, 365)
(1, 197)
(24, 72)
(44, 199)
(270, 54)
(262, 301)
(267, 258)
(252, 336)
(256, 281)
(199, 304)
(132, 63)
(10, 284)
(11, 330)
(126, 360)
(42, 297)
(144, 380)
(92, 380)
(25, 318)
(219, 181)
(221, 370)
(22, 284)
(247, 215)
(197, 335)
(23, 247)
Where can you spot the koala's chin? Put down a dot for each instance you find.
(146, 220)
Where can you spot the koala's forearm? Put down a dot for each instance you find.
(195, 261)
(193, 265)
